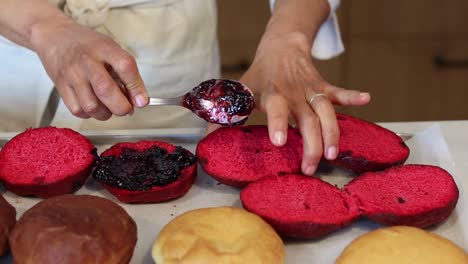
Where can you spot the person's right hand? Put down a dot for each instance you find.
(84, 66)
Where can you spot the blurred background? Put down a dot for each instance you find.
(412, 56)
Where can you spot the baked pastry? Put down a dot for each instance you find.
(146, 171)
(307, 207)
(218, 235)
(74, 229)
(414, 195)
(365, 146)
(299, 206)
(45, 162)
(237, 156)
(402, 245)
(7, 222)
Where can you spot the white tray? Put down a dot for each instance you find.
(206, 192)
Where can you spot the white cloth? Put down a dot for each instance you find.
(328, 42)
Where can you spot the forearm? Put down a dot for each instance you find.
(297, 17)
(18, 19)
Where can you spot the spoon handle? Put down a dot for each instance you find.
(166, 101)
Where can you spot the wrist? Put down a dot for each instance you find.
(298, 17)
(292, 40)
(41, 29)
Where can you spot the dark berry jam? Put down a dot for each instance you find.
(221, 101)
(134, 170)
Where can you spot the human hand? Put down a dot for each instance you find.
(284, 81)
(93, 74)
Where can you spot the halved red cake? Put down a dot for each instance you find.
(237, 156)
(299, 206)
(307, 207)
(45, 162)
(365, 146)
(414, 195)
(146, 171)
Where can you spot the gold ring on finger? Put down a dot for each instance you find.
(315, 96)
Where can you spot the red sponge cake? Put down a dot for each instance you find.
(237, 156)
(146, 171)
(299, 206)
(365, 146)
(414, 195)
(45, 162)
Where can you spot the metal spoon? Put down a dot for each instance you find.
(167, 101)
(223, 102)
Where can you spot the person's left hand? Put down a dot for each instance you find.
(285, 83)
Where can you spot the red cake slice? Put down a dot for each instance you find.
(45, 162)
(414, 195)
(299, 206)
(365, 146)
(146, 171)
(237, 156)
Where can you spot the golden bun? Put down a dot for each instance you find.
(402, 245)
(218, 235)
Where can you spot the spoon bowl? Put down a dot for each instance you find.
(224, 102)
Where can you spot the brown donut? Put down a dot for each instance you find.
(74, 229)
(7, 222)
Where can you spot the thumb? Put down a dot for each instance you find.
(127, 73)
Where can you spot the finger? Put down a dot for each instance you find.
(309, 126)
(211, 127)
(342, 96)
(329, 125)
(91, 104)
(86, 97)
(292, 122)
(71, 101)
(107, 90)
(277, 112)
(126, 68)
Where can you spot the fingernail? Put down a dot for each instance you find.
(331, 152)
(310, 169)
(279, 138)
(140, 100)
(364, 95)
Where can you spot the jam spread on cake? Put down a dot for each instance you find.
(133, 170)
(224, 102)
